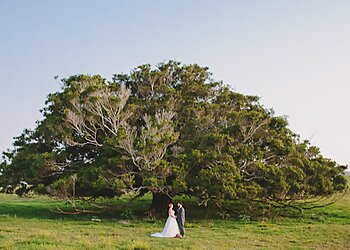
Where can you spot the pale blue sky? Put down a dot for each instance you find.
(294, 54)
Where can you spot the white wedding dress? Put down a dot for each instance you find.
(171, 228)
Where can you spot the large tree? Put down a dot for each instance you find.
(167, 130)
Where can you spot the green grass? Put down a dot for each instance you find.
(29, 223)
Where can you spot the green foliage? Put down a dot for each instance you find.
(168, 130)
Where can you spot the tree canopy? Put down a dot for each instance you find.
(169, 130)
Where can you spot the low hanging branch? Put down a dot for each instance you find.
(66, 190)
(301, 205)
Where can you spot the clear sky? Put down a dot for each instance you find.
(294, 54)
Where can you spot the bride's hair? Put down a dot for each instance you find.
(170, 203)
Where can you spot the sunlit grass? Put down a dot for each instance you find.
(29, 223)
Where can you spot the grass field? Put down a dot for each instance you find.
(29, 223)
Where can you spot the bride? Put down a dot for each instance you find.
(171, 228)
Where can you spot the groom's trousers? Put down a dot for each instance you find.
(181, 227)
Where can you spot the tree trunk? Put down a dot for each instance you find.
(159, 206)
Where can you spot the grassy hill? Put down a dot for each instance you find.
(30, 223)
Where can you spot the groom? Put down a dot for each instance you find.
(180, 217)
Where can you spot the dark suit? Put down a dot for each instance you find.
(180, 217)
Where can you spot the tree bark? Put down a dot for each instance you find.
(159, 204)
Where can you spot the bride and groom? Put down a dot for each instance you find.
(174, 223)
